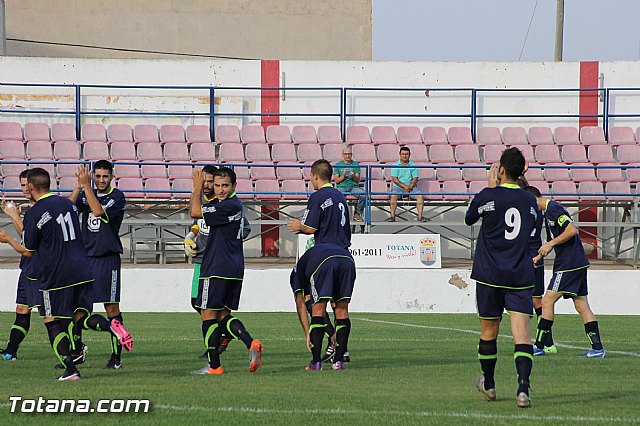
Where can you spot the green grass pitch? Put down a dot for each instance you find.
(405, 369)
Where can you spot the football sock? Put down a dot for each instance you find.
(235, 328)
(116, 346)
(75, 337)
(211, 333)
(59, 339)
(593, 334)
(343, 328)
(488, 356)
(309, 305)
(328, 327)
(539, 313)
(543, 336)
(523, 356)
(316, 332)
(96, 322)
(18, 332)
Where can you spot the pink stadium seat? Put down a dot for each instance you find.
(514, 136)
(460, 136)
(329, 135)
(242, 172)
(291, 186)
(157, 184)
(534, 173)
(278, 135)
(288, 173)
(202, 152)
(621, 135)
(474, 173)
(425, 171)
(542, 186)
(285, 153)
(67, 170)
(150, 151)
(364, 153)
(39, 149)
(572, 154)
(628, 154)
(430, 186)
(176, 171)
(122, 151)
(94, 151)
(229, 153)
(566, 135)
(66, 150)
(269, 188)
(489, 136)
(304, 135)
(183, 185)
(583, 175)
(258, 173)
(591, 187)
(455, 186)
(547, 154)
(332, 152)
(357, 135)
(441, 153)
(492, 153)
(567, 188)
(244, 189)
(227, 134)
(257, 153)
(67, 184)
(172, 133)
(559, 174)
(126, 171)
(49, 167)
(11, 149)
(592, 135)
(63, 132)
(389, 153)
(539, 135)
(375, 171)
(476, 186)
(147, 133)
(409, 135)
(419, 153)
(527, 151)
(36, 132)
(93, 132)
(610, 175)
(383, 135)
(10, 131)
(600, 154)
(434, 136)
(309, 152)
(11, 186)
(12, 169)
(379, 190)
(448, 173)
(252, 133)
(467, 154)
(153, 171)
(119, 133)
(633, 172)
(198, 133)
(176, 152)
(306, 170)
(618, 191)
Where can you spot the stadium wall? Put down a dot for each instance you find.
(611, 292)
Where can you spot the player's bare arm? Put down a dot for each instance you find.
(569, 232)
(6, 238)
(298, 227)
(9, 208)
(84, 181)
(195, 203)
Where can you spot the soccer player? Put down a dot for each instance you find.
(222, 269)
(327, 219)
(51, 230)
(569, 278)
(102, 212)
(503, 270)
(28, 293)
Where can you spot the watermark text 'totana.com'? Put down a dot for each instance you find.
(42, 405)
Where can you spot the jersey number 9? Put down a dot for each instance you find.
(513, 221)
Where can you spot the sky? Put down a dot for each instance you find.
(495, 30)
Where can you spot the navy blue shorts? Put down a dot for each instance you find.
(570, 283)
(334, 279)
(218, 294)
(106, 271)
(539, 281)
(63, 303)
(493, 301)
(28, 292)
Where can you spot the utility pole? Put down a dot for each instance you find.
(559, 30)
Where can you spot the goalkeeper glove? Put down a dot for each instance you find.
(190, 244)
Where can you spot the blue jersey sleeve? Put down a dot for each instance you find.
(221, 213)
(556, 213)
(311, 216)
(30, 233)
(474, 212)
(114, 206)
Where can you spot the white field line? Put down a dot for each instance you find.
(462, 330)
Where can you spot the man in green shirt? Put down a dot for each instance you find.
(347, 176)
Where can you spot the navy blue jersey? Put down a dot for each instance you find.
(570, 255)
(535, 241)
(52, 230)
(223, 256)
(309, 263)
(100, 235)
(328, 215)
(30, 266)
(502, 257)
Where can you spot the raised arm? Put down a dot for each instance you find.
(195, 202)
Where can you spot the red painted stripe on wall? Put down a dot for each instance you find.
(270, 104)
(589, 104)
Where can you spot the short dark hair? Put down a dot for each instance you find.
(39, 178)
(513, 162)
(323, 169)
(225, 172)
(104, 165)
(535, 191)
(209, 169)
(405, 148)
(24, 174)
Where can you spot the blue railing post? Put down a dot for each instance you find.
(342, 112)
(212, 113)
(605, 118)
(367, 205)
(474, 123)
(78, 113)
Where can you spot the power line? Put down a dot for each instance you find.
(119, 49)
(526, 36)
